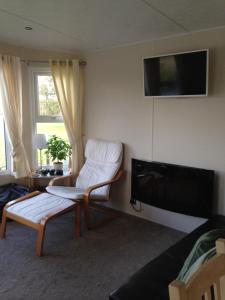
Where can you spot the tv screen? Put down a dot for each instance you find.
(183, 74)
(180, 189)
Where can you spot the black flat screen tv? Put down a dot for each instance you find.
(181, 74)
(180, 189)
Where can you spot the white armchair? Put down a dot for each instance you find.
(92, 185)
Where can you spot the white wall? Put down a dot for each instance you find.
(186, 131)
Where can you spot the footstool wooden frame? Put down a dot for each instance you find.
(40, 227)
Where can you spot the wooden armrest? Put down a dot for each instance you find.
(27, 196)
(88, 191)
(67, 180)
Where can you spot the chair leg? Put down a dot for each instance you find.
(40, 240)
(77, 220)
(87, 217)
(110, 215)
(3, 225)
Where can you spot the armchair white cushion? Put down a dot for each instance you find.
(103, 160)
(105, 152)
(66, 192)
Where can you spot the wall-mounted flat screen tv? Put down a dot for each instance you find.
(177, 75)
(180, 189)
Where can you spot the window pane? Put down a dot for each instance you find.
(51, 129)
(47, 100)
(2, 145)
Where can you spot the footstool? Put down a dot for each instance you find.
(35, 210)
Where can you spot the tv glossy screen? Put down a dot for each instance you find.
(180, 189)
(182, 74)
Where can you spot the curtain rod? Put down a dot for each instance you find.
(81, 62)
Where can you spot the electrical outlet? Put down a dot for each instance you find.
(132, 201)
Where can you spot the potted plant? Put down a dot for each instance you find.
(58, 150)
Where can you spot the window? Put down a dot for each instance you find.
(47, 106)
(47, 114)
(4, 147)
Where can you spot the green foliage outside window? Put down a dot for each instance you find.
(49, 107)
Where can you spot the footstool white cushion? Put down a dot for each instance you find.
(39, 206)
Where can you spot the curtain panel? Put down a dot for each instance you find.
(69, 85)
(11, 101)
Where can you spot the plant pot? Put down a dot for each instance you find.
(44, 172)
(58, 166)
(52, 172)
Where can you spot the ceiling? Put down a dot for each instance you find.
(89, 25)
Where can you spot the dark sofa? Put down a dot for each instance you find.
(151, 282)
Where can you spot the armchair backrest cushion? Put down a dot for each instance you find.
(103, 160)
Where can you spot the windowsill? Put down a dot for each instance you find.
(6, 178)
(6, 173)
(41, 176)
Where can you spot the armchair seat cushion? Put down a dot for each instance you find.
(38, 207)
(72, 193)
(68, 192)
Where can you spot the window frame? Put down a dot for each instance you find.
(34, 71)
(8, 158)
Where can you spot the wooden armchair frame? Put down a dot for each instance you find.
(87, 202)
(210, 278)
(40, 227)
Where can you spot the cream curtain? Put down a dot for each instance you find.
(69, 85)
(11, 101)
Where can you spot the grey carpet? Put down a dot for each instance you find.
(83, 268)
